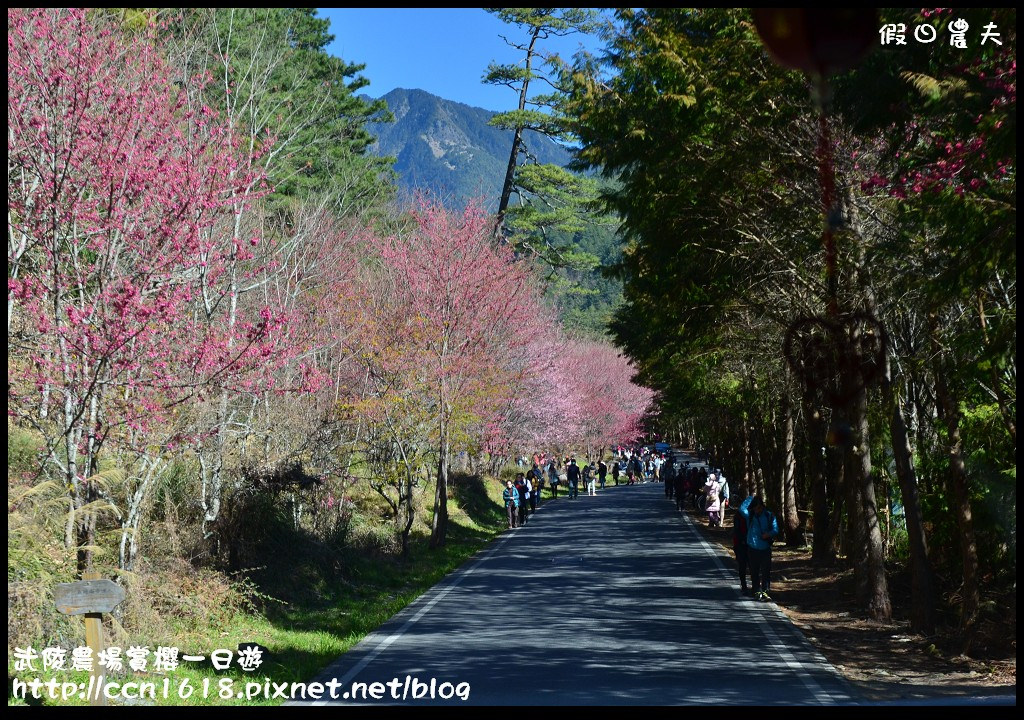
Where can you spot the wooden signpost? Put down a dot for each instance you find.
(88, 596)
(91, 597)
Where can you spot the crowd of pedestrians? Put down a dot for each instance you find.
(523, 494)
(754, 526)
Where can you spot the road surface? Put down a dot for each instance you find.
(607, 600)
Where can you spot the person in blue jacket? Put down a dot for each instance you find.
(762, 528)
(511, 497)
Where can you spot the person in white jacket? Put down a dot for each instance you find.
(714, 504)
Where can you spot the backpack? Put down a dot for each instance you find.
(739, 530)
(771, 521)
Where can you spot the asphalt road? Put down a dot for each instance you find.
(607, 600)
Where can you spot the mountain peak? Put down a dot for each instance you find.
(447, 148)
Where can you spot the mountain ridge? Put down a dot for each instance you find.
(447, 149)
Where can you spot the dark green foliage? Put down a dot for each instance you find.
(942, 121)
(690, 142)
(715, 152)
(283, 86)
(588, 297)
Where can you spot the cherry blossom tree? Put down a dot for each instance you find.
(608, 407)
(577, 393)
(465, 306)
(111, 201)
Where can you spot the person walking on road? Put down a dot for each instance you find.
(553, 477)
(523, 497)
(682, 479)
(714, 503)
(572, 474)
(602, 473)
(723, 493)
(668, 476)
(616, 469)
(538, 484)
(511, 497)
(762, 527)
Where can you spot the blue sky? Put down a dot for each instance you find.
(444, 51)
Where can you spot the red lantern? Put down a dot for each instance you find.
(818, 41)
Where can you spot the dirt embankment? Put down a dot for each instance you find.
(885, 661)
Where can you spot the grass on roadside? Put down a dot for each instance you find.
(302, 638)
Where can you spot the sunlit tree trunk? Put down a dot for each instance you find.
(869, 535)
(922, 610)
(790, 517)
(439, 524)
(822, 550)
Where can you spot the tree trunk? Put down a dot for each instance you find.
(837, 484)
(959, 489)
(131, 522)
(790, 517)
(922, 606)
(405, 501)
(771, 459)
(748, 463)
(878, 603)
(876, 586)
(517, 141)
(853, 545)
(87, 519)
(439, 524)
(823, 550)
(757, 460)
